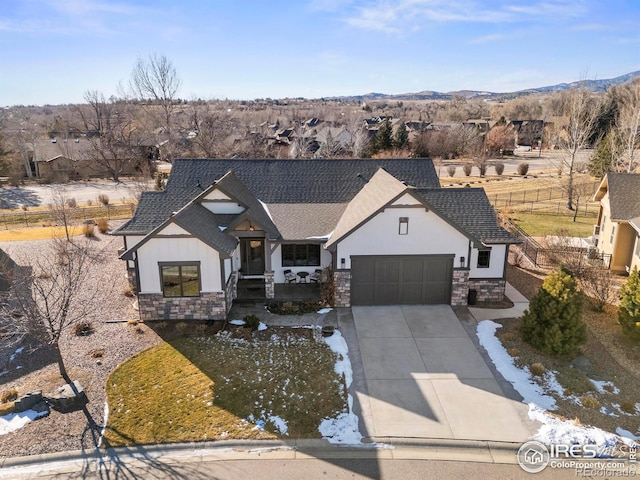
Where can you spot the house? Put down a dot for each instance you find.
(617, 232)
(388, 231)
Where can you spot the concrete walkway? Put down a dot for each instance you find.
(425, 378)
(520, 304)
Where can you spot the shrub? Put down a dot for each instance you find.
(522, 168)
(629, 311)
(103, 225)
(537, 369)
(83, 328)
(88, 230)
(553, 323)
(71, 203)
(451, 170)
(8, 395)
(628, 407)
(466, 168)
(89, 202)
(252, 322)
(482, 165)
(590, 402)
(103, 199)
(508, 337)
(514, 352)
(499, 168)
(573, 381)
(129, 291)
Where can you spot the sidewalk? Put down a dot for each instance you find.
(111, 460)
(520, 304)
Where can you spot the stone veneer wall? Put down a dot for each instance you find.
(269, 285)
(208, 306)
(131, 276)
(342, 282)
(231, 291)
(489, 290)
(460, 288)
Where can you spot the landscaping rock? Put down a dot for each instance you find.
(582, 363)
(68, 398)
(28, 401)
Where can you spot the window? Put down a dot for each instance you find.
(613, 234)
(403, 228)
(484, 258)
(180, 279)
(638, 246)
(301, 255)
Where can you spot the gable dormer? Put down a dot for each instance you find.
(216, 201)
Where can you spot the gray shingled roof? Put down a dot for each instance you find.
(624, 195)
(468, 209)
(199, 221)
(232, 186)
(378, 192)
(279, 181)
(298, 221)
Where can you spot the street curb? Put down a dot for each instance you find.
(392, 448)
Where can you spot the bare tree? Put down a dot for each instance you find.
(155, 78)
(500, 138)
(581, 110)
(47, 296)
(627, 127)
(61, 211)
(112, 134)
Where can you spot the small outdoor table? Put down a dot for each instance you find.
(303, 277)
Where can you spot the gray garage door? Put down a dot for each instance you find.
(401, 279)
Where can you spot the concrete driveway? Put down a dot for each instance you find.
(426, 378)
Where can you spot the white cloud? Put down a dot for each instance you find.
(402, 15)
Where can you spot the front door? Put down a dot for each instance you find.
(252, 251)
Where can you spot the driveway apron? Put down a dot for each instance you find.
(426, 378)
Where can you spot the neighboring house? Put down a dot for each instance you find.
(617, 231)
(528, 132)
(389, 232)
(61, 160)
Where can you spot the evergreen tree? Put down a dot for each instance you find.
(629, 312)
(401, 138)
(553, 323)
(384, 137)
(602, 157)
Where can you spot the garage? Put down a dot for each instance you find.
(401, 279)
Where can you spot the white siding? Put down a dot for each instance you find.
(132, 240)
(178, 250)
(173, 229)
(276, 264)
(407, 199)
(496, 263)
(428, 235)
(216, 195)
(227, 269)
(223, 207)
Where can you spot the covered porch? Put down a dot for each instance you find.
(253, 290)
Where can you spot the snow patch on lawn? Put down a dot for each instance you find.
(237, 322)
(15, 421)
(554, 430)
(601, 384)
(322, 311)
(261, 327)
(342, 429)
(557, 431)
(521, 379)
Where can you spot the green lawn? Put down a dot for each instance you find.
(540, 224)
(214, 387)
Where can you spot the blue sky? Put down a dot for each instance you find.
(52, 51)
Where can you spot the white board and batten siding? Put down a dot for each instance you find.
(427, 234)
(172, 249)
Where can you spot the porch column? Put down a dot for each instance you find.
(269, 285)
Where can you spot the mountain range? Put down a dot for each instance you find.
(594, 85)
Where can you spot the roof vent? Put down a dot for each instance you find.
(199, 185)
(54, 140)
